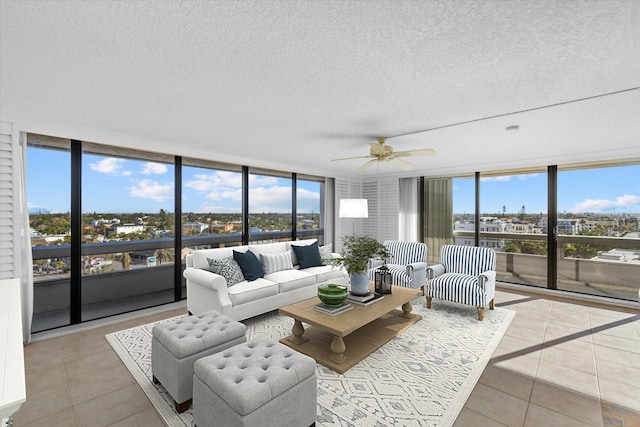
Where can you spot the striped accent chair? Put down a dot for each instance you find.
(466, 274)
(407, 265)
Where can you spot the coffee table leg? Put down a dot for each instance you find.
(406, 310)
(297, 332)
(337, 349)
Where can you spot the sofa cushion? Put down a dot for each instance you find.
(276, 262)
(462, 288)
(245, 292)
(308, 256)
(250, 265)
(305, 242)
(325, 273)
(227, 268)
(289, 280)
(268, 248)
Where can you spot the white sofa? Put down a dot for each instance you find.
(208, 291)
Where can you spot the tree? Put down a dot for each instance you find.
(126, 260)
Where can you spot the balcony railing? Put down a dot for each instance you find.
(115, 292)
(594, 276)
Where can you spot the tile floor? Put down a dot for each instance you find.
(561, 363)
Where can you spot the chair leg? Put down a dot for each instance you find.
(491, 304)
(422, 289)
(428, 302)
(480, 313)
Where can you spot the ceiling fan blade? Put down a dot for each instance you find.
(367, 165)
(413, 153)
(403, 164)
(352, 158)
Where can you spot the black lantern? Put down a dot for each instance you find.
(383, 280)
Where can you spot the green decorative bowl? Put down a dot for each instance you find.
(332, 295)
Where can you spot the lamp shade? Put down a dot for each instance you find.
(354, 208)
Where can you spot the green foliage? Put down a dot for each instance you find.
(525, 247)
(358, 250)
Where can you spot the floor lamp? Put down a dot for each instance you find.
(354, 208)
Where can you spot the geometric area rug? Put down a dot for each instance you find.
(423, 377)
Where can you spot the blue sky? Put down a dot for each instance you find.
(119, 185)
(601, 190)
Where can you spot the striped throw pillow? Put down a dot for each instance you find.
(276, 262)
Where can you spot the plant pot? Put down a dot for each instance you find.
(360, 283)
(332, 295)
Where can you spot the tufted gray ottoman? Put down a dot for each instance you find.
(258, 383)
(176, 345)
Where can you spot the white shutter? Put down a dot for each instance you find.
(342, 192)
(370, 225)
(7, 203)
(388, 212)
(382, 194)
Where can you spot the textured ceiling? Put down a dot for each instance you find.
(293, 84)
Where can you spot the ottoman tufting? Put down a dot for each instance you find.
(257, 383)
(177, 344)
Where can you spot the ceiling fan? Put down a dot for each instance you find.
(380, 152)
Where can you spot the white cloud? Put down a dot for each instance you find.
(108, 165)
(215, 181)
(126, 173)
(148, 189)
(496, 178)
(270, 199)
(601, 205)
(262, 180)
(505, 178)
(304, 194)
(234, 195)
(150, 168)
(223, 190)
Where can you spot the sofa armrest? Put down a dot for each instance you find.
(434, 271)
(206, 278)
(206, 291)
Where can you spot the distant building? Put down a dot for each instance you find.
(126, 228)
(191, 227)
(569, 226)
(619, 255)
(494, 225)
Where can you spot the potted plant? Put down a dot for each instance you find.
(356, 253)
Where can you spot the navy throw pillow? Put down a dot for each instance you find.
(308, 256)
(249, 264)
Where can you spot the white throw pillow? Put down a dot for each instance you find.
(325, 253)
(276, 262)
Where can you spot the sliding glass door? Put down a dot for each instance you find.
(598, 231)
(569, 228)
(513, 222)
